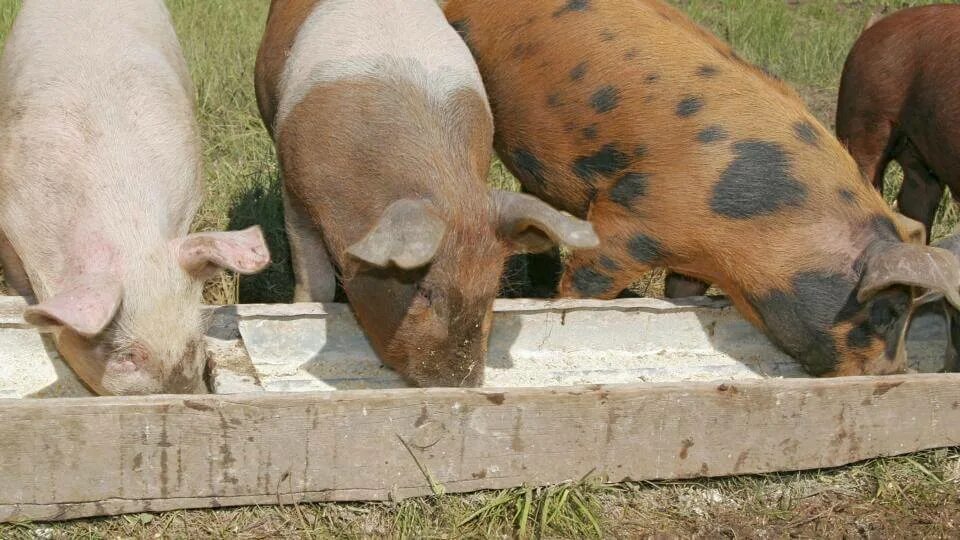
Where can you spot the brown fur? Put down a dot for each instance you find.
(283, 20)
(353, 147)
(899, 101)
(529, 52)
(340, 198)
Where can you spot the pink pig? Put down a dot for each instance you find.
(100, 178)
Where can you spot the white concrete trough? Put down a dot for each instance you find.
(534, 343)
(303, 411)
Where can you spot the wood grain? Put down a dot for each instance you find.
(71, 458)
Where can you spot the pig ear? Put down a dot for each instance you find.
(87, 308)
(931, 268)
(951, 244)
(408, 235)
(915, 232)
(534, 226)
(244, 252)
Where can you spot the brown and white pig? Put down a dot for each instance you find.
(899, 101)
(684, 156)
(99, 182)
(384, 137)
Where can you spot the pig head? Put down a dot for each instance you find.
(423, 284)
(139, 330)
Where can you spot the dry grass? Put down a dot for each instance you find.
(803, 41)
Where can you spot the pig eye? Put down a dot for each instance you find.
(136, 355)
(127, 362)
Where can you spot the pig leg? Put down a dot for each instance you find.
(869, 142)
(680, 286)
(13, 272)
(922, 192)
(315, 278)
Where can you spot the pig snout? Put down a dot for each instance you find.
(443, 358)
(133, 370)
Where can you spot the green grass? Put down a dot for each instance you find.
(804, 42)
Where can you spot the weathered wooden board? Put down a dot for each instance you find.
(69, 458)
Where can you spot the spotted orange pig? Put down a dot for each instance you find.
(684, 156)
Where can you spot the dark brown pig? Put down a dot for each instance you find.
(384, 136)
(684, 156)
(899, 101)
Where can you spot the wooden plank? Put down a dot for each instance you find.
(70, 458)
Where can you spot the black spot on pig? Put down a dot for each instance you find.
(525, 50)
(805, 132)
(883, 228)
(847, 196)
(631, 54)
(605, 99)
(860, 336)
(554, 101)
(590, 132)
(651, 78)
(645, 249)
(590, 282)
(607, 35)
(578, 71)
(528, 166)
(689, 106)
(707, 71)
(609, 264)
(886, 310)
(799, 321)
(606, 162)
(758, 182)
(572, 6)
(712, 134)
(886, 317)
(629, 188)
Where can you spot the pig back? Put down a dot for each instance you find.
(349, 39)
(99, 147)
(676, 149)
